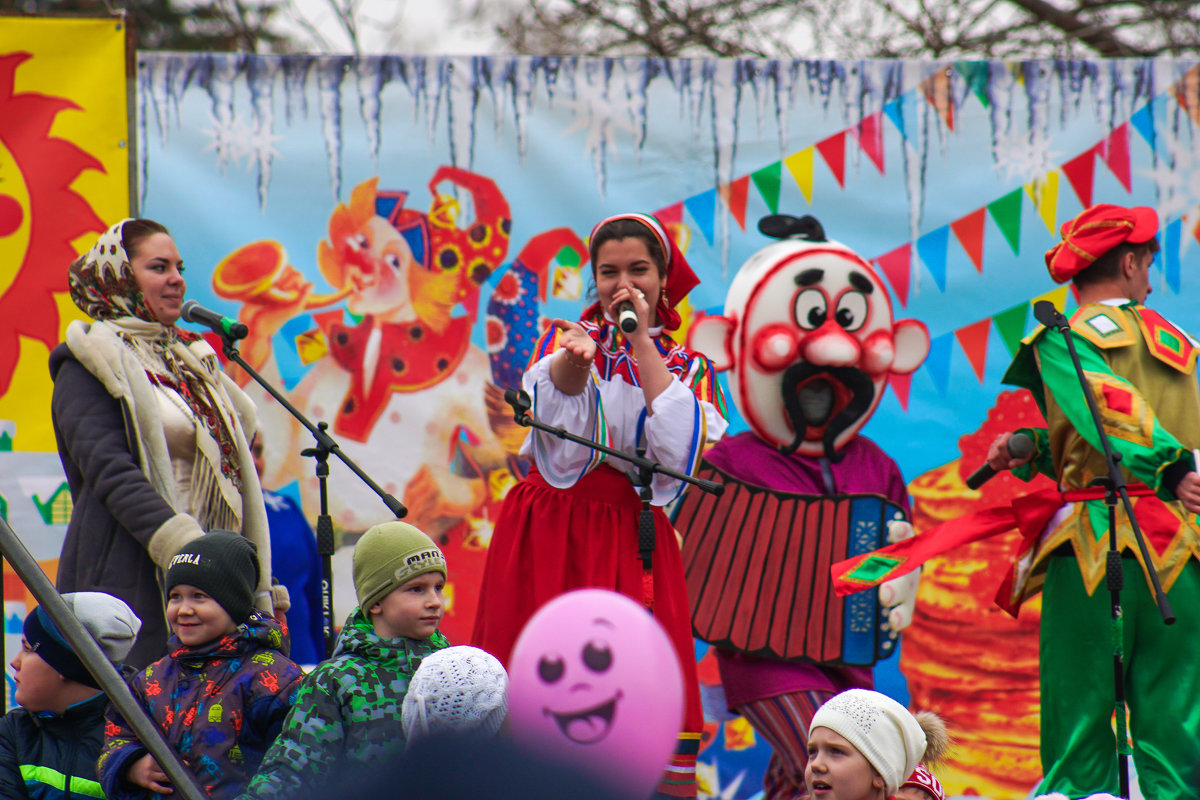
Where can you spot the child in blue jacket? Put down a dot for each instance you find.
(220, 696)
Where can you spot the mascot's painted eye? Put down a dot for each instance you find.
(851, 310)
(359, 242)
(393, 261)
(550, 670)
(597, 656)
(811, 309)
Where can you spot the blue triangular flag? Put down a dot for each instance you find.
(703, 208)
(938, 361)
(1143, 122)
(1170, 254)
(932, 250)
(896, 115)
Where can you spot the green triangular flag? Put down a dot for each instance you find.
(1007, 213)
(975, 73)
(1011, 325)
(767, 181)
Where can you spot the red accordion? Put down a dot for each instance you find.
(757, 566)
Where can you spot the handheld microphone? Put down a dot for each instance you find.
(627, 317)
(1019, 446)
(228, 327)
(1048, 314)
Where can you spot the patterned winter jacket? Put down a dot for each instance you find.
(346, 714)
(219, 705)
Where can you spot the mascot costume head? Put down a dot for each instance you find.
(809, 338)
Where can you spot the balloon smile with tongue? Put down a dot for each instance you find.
(588, 726)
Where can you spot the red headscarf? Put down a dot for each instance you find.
(679, 281)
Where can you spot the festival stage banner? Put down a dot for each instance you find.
(951, 178)
(64, 173)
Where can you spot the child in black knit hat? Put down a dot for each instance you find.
(221, 694)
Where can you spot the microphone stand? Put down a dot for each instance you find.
(1114, 489)
(325, 445)
(84, 646)
(519, 400)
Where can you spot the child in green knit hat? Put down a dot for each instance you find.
(348, 713)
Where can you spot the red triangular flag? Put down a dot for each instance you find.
(671, 215)
(973, 340)
(1079, 171)
(900, 385)
(897, 266)
(869, 133)
(969, 230)
(1115, 152)
(734, 194)
(833, 150)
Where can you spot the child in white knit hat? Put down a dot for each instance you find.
(457, 691)
(862, 745)
(50, 743)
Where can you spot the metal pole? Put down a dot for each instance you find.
(93, 657)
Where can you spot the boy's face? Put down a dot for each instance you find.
(837, 771)
(38, 684)
(195, 617)
(413, 609)
(913, 793)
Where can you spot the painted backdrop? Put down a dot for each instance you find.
(287, 181)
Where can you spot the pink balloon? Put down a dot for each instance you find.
(594, 677)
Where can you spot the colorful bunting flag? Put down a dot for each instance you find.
(931, 248)
(703, 208)
(869, 133)
(1115, 152)
(833, 150)
(895, 111)
(800, 165)
(671, 215)
(969, 231)
(1044, 194)
(1079, 171)
(975, 74)
(937, 363)
(1187, 93)
(768, 180)
(896, 267)
(1170, 253)
(936, 89)
(1007, 213)
(901, 384)
(1142, 121)
(1010, 324)
(734, 194)
(973, 340)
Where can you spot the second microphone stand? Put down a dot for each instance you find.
(521, 404)
(325, 446)
(1115, 489)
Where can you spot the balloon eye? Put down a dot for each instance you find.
(597, 657)
(810, 309)
(852, 310)
(550, 670)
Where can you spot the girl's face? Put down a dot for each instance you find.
(625, 264)
(837, 771)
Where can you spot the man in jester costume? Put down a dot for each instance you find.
(809, 338)
(1142, 371)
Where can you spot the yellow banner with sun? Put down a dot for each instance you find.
(64, 174)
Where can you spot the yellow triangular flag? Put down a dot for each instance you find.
(1044, 194)
(801, 166)
(1056, 296)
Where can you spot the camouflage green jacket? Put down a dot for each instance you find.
(346, 714)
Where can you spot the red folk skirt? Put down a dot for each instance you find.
(549, 541)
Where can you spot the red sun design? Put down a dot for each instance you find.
(40, 214)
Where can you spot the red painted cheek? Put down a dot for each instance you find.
(774, 347)
(879, 352)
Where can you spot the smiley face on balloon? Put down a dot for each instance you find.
(594, 678)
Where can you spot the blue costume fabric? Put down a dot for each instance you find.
(295, 564)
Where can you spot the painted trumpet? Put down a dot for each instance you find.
(259, 273)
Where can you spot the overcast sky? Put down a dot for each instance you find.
(387, 26)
